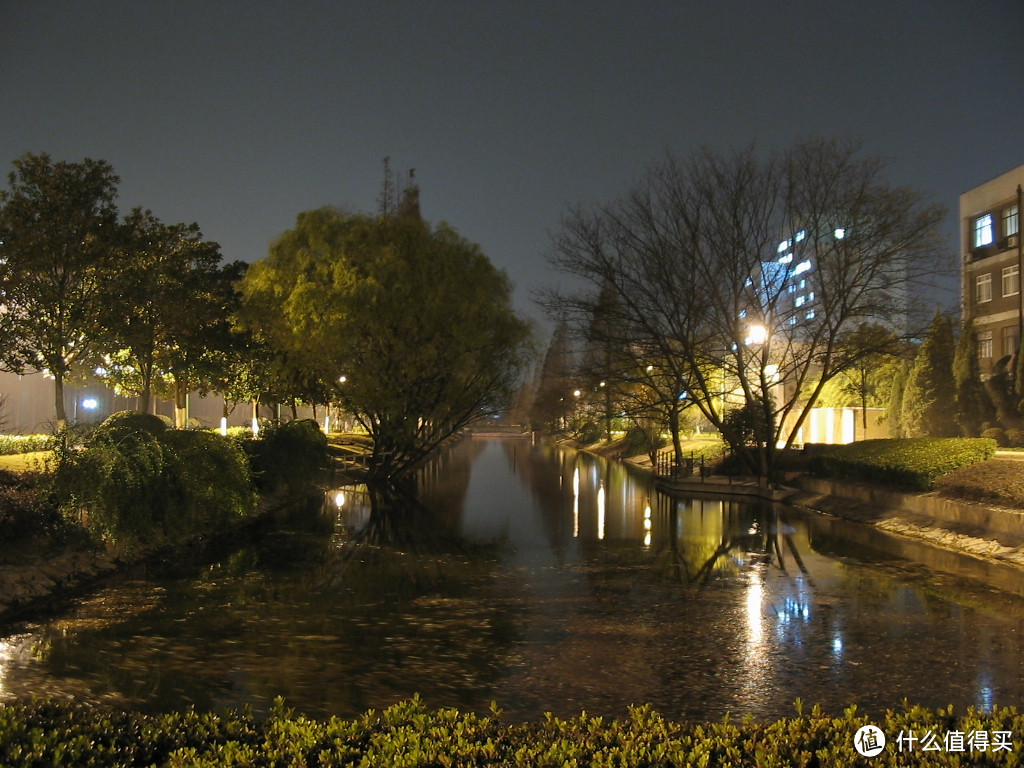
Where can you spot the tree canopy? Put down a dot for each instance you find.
(58, 229)
(414, 317)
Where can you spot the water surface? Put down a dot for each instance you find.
(545, 580)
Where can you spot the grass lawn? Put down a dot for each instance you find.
(25, 462)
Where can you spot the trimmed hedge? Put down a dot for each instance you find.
(908, 463)
(12, 444)
(407, 734)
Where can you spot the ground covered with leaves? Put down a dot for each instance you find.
(998, 481)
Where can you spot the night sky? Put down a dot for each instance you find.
(239, 115)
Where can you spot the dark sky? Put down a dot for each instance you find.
(239, 115)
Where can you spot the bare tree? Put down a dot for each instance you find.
(748, 277)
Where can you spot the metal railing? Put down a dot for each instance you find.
(668, 465)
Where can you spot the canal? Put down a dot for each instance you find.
(545, 580)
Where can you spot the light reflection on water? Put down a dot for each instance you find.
(548, 581)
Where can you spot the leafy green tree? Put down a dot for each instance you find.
(155, 296)
(415, 317)
(193, 362)
(929, 402)
(898, 374)
(973, 405)
(58, 227)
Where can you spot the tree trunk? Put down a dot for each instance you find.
(673, 428)
(58, 401)
(180, 404)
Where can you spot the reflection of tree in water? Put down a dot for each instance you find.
(756, 532)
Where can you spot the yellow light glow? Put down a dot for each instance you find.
(757, 334)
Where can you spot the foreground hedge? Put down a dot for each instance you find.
(48, 733)
(910, 463)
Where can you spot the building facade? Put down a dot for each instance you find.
(990, 244)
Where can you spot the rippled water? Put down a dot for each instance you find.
(545, 580)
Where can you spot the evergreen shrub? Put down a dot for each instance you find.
(290, 453)
(27, 511)
(997, 434)
(408, 734)
(13, 444)
(135, 480)
(909, 463)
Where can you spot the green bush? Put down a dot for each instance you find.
(997, 434)
(407, 734)
(1015, 438)
(134, 480)
(127, 425)
(27, 510)
(209, 480)
(639, 442)
(290, 453)
(909, 463)
(589, 433)
(12, 444)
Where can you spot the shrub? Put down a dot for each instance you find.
(137, 481)
(12, 444)
(209, 479)
(1015, 438)
(589, 432)
(407, 734)
(639, 441)
(293, 452)
(27, 511)
(909, 463)
(127, 425)
(995, 433)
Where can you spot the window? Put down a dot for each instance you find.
(983, 231)
(1011, 280)
(1011, 339)
(983, 286)
(984, 345)
(1011, 221)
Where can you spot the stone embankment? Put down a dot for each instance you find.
(24, 585)
(992, 533)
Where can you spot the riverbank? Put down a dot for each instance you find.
(982, 530)
(41, 573)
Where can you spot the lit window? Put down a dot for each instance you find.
(1011, 220)
(803, 284)
(840, 233)
(791, 288)
(810, 296)
(1011, 280)
(786, 259)
(810, 315)
(784, 245)
(801, 235)
(983, 285)
(800, 301)
(802, 267)
(1011, 339)
(984, 344)
(743, 313)
(983, 231)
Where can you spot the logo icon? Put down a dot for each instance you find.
(869, 740)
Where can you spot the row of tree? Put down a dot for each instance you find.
(407, 326)
(146, 304)
(744, 279)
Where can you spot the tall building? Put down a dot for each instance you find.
(992, 257)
